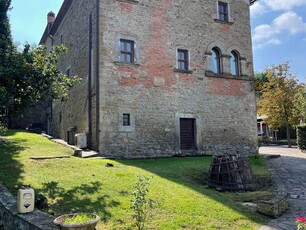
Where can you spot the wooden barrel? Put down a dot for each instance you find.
(231, 173)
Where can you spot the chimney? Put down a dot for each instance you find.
(50, 20)
(50, 17)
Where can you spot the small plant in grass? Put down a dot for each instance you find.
(140, 202)
(79, 218)
(301, 223)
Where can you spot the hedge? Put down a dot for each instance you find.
(301, 137)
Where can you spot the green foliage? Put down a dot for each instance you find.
(79, 218)
(301, 137)
(140, 202)
(3, 129)
(281, 98)
(5, 32)
(260, 80)
(31, 76)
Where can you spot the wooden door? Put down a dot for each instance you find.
(187, 134)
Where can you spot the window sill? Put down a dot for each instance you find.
(229, 76)
(183, 71)
(223, 22)
(129, 1)
(127, 64)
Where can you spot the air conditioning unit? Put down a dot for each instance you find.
(81, 140)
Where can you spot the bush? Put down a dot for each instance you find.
(140, 202)
(301, 137)
(3, 129)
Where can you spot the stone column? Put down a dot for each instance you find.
(226, 64)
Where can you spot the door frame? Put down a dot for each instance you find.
(197, 129)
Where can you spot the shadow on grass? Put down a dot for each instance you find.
(78, 199)
(10, 168)
(192, 172)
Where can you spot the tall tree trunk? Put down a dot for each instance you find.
(287, 127)
(288, 134)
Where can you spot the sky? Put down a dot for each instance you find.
(278, 30)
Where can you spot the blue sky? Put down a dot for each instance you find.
(278, 29)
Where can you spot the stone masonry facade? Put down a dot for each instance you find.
(158, 103)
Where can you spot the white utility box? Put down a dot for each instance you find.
(81, 140)
(25, 200)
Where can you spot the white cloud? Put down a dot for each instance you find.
(283, 4)
(289, 22)
(265, 6)
(258, 9)
(263, 32)
(274, 41)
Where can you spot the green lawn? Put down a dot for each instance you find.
(178, 184)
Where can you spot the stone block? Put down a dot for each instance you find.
(274, 207)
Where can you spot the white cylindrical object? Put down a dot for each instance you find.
(25, 200)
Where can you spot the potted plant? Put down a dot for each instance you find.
(77, 221)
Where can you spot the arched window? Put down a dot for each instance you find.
(216, 60)
(235, 63)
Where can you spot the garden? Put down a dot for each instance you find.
(178, 186)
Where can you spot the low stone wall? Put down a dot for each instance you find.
(10, 219)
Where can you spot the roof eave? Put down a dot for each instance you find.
(58, 20)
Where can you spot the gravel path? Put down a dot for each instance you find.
(290, 174)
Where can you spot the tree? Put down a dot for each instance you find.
(5, 33)
(282, 99)
(30, 75)
(260, 80)
(33, 76)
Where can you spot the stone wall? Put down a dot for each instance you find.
(35, 114)
(10, 219)
(156, 95)
(73, 32)
(151, 90)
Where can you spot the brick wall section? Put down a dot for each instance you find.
(151, 90)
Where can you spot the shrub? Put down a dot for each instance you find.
(140, 202)
(301, 137)
(3, 129)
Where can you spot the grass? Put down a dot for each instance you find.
(87, 185)
(79, 218)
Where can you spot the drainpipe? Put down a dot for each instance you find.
(50, 129)
(89, 80)
(97, 75)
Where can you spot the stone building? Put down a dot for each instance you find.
(160, 77)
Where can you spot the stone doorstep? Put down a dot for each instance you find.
(85, 153)
(77, 151)
(275, 206)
